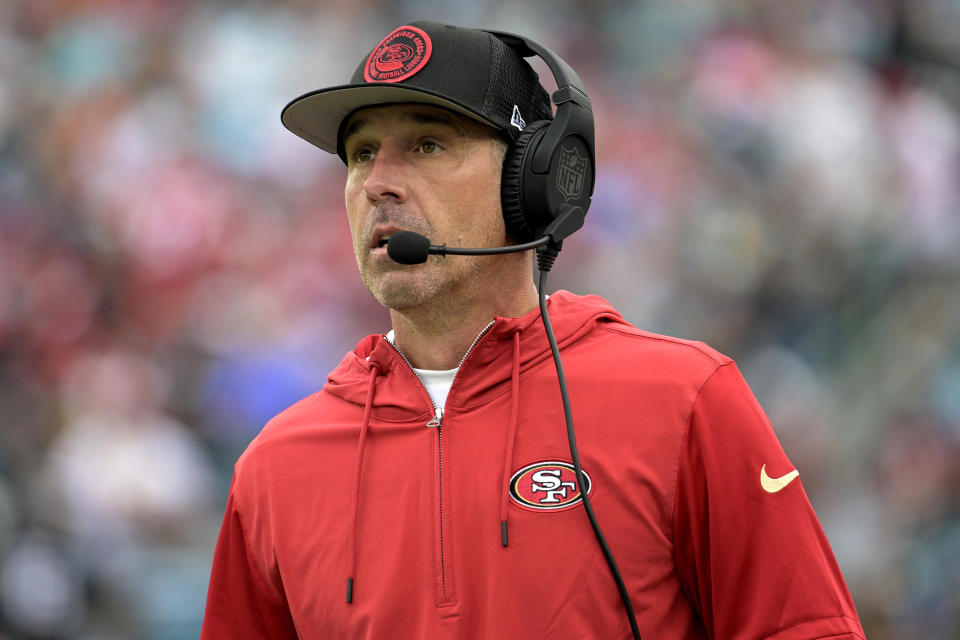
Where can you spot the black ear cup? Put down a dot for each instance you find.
(515, 211)
(548, 171)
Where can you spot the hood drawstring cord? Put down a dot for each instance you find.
(358, 468)
(511, 437)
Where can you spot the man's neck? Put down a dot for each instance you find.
(439, 335)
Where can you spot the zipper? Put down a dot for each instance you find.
(436, 422)
(474, 343)
(437, 411)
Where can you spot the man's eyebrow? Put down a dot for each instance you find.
(416, 117)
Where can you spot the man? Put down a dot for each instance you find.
(379, 506)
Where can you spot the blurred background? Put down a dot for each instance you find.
(779, 179)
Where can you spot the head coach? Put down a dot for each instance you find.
(436, 487)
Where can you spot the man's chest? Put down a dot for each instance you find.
(436, 504)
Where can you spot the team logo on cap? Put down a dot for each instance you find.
(547, 486)
(398, 56)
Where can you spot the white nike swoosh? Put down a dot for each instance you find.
(772, 485)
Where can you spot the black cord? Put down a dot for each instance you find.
(545, 258)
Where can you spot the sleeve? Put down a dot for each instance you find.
(241, 603)
(749, 550)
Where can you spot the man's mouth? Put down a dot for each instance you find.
(381, 236)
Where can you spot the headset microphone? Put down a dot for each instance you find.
(407, 247)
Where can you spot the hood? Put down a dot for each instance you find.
(485, 372)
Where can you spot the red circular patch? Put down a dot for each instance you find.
(398, 56)
(547, 486)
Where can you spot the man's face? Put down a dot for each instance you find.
(427, 170)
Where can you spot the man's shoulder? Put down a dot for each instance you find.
(614, 331)
(663, 352)
(288, 428)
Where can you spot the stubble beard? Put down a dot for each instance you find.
(432, 287)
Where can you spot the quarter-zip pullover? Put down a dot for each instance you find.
(366, 483)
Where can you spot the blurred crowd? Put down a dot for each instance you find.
(778, 179)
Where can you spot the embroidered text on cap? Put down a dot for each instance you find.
(398, 56)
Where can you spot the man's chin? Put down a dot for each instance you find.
(398, 290)
(423, 286)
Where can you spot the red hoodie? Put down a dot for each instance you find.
(365, 481)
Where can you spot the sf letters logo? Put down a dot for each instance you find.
(547, 486)
(548, 481)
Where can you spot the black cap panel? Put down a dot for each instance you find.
(469, 71)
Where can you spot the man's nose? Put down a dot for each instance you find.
(386, 179)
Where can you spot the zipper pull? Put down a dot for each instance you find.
(437, 418)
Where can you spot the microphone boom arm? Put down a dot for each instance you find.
(567, 221)
(442, 249)
(407, 247)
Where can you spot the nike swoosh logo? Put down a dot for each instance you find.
(772, 485)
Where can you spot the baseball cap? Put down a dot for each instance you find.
(469, 71)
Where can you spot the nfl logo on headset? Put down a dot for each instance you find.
(571, 172)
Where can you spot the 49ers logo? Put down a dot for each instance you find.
(549, 486)
(398, 56)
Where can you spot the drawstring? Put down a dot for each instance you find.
(511, 436)
(355, 509)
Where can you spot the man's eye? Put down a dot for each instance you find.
(428, 146)
(363, 154)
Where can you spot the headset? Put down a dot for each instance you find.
(545, 191)
(550, 167)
